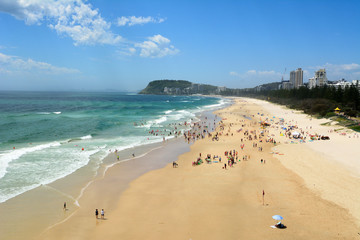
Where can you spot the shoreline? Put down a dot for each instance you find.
(172, 202)
(45, 201)
(151, 184)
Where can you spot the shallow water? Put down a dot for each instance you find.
(45, 136)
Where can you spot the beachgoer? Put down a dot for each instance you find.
(133, 154)
(225, 165)
(64, 205)
(96, 213)
(102, 213)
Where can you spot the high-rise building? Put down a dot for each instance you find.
(299, 78)
(320, 77)
(292, 79)
(296, 78)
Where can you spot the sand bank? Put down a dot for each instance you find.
(210, 202)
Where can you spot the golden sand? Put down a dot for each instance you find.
(210, 202)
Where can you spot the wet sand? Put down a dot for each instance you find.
(210, 202)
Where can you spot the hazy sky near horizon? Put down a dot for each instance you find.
(122, 45)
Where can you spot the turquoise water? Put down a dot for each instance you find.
(45, 136)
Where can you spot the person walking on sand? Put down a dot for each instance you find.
(64, 205)
(96, 213)
(102, 213)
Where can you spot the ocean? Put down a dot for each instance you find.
(45, 136)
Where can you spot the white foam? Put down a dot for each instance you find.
(8, 156)
(57, 112)
(39, 176)
(160, 120)
(221, 103)
(86, 137)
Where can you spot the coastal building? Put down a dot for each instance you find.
(356, 83)
(296, 78)
(285, 84)
(319, 79)
(220, 89)
(292, 78)
(340, 84)
(312, 82)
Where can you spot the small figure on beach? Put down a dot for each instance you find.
(96, 213)
(175, 165)
(133, 154)
(102, 213)
(64, 205)
(225, 165)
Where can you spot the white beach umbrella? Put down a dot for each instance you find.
(277, 217)
(295, 133)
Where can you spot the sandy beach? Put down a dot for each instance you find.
(314, 185)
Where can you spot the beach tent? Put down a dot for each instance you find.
(337, 110)
(295, 134)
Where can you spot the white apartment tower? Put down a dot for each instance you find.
(296, 78)
(320, 77)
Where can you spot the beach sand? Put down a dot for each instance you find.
(313, 185)
(210, 202)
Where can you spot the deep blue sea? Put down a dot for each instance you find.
(45, 136)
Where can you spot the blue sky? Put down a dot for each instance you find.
(101, 45)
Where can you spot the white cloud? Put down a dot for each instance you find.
(14, 64)
(155, 47)
(234, 74)
(257, 76)
(340, 67)
(338, 71)
(251, 72)
(73, 18)
(132, 20)
(128, 51)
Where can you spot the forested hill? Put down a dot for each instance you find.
(179, 87)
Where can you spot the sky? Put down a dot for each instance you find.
(122, 45)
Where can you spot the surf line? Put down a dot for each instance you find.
(62, 193)
(128, 159)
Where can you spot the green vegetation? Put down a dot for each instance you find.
(157, 86)
(319, 101)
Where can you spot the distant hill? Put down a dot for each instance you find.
(179, 87)
(182, 87)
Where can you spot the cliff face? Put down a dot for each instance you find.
(178, 87)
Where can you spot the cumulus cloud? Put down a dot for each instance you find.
(155, 47)
(13, 64)
(73, 18)
(132, 20)
(84, 24)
